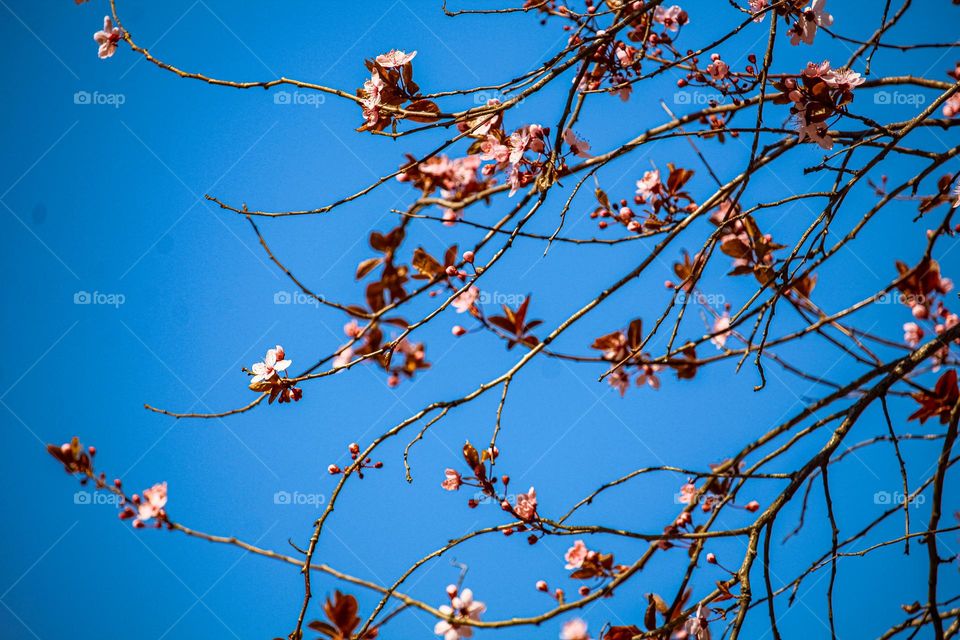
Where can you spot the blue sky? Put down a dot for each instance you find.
(105, 195)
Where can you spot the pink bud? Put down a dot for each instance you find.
(458, 330)
(451, 271)
(542, 585)
(333, 469)
(452, 590)
(712, 559)
(584, 590)
(919, 311)
(468, 256)
(354, 447)
(668, 284)
(752, 506)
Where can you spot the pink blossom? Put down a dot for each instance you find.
(465, 300)
(721, 326)
(518, 142)
(579, 147)
(912, 333)
(620, 381)
(756, 6)
(843, 79)
(153, 502)
(688, 493)
(805, 30)
(815, 70)
(108, 38)
(482, 125)
(461, 606)
(352, 329)
(453, 482)
(952, 106)
(493, 150)
(817, 133)
(272, 364)
(649, 185)
(697, 625)
(576, 555)
(648, 376)
(343, 358)
(575, 629)
(671, 18)
(718, 69)
(526, 507)
(395, 58)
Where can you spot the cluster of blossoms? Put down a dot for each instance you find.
(391, 85)
(524, 506)
(509, 154)
(716, 492)
(366, 463)
(267, 379)
(108, 38)
(805, 19)
(617, 63)
(655, 204)
(923, 289)
(456, 179)
(719, 76)
(77, 460)
(818, 94)
(614, 63)
(624, 347)
(462, 607)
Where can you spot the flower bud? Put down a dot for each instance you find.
(542, 585)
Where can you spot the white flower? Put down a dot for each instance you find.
(272, 364)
